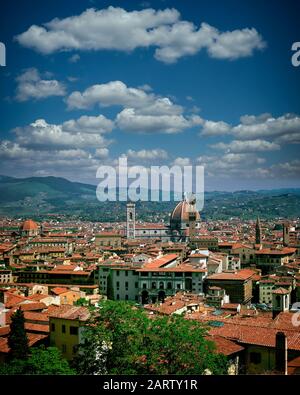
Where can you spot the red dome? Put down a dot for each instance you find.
(181, 212)
(29, 225)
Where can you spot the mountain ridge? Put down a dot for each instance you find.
(39, 196)
(70, 183)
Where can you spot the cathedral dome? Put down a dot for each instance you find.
(180, 214)
(29, 225)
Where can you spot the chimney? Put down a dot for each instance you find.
(281, 353)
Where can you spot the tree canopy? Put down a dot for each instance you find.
(121, 339)
(40, 361)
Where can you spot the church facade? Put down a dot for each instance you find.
(177, 230)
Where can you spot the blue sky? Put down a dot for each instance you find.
(201, 82)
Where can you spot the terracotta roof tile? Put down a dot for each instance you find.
(70, 312)
(32, 339)
(160, 262)
(225, 346)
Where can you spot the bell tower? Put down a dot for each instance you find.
(130, 228)
(192, 216)
(258, 232)
(286, 234)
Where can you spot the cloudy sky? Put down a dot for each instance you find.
(162, 82)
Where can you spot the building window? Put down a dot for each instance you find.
(178, 286)
(161, 285)
(126, 297)
(64, 348)
(126, 273)
(178, 274)
(118, 296)
(278, 300)
(255, 357)
(52, 327)
(63, 328)
(169, 285)
(126, 284)
(118, 272)
(136, 284)
(136, 298)
(144, 286)
(73, 330)
(74, 349)
(153, 285)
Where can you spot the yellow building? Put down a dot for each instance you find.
(6, 276)
(66, 324)
(68, 296)
(108, 239)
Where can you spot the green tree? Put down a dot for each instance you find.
(17, 338)
(129, 342)
(81, 302)
(112, 339)
(41, 361)
(175, 345)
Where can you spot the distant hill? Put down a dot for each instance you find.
(37, 197)
(16, 189)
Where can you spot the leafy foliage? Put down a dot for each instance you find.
(81, 302)
(127, 341)
(41, 361)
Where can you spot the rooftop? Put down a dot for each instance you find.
(70, 312)
(243, 274)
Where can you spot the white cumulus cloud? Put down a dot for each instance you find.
(130, 120)
(117, 29)
(42, 135)
(237, 146)
(145, 154)
(30, 85)
(285, 128)
(181, 161)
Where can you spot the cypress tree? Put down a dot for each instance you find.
(17, 339)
